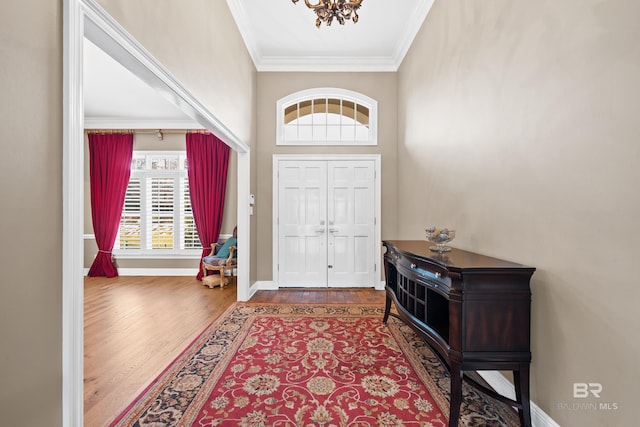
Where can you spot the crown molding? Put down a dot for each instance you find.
(241, 17)
(327, 64)
(411, 30)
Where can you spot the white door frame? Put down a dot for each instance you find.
(376, 158)
(86, 18)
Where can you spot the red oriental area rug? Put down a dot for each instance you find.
(306, 365)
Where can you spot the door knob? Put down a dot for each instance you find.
(333, 230)
(320, 230)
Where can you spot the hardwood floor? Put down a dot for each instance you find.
(135, 326)
(320, 296)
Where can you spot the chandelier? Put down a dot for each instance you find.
(341, 10)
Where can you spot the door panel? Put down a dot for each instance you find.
(302, 258)
(351, 219)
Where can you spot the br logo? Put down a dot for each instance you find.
(584, 390)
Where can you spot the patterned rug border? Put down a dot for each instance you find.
(173, 363)
(415, 350)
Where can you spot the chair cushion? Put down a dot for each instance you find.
(214, 260)
(223, 252)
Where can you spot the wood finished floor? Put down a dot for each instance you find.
(135, 326)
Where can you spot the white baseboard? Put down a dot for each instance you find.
(252, 290)
(154, 271)
(265, 285)
(500, 384)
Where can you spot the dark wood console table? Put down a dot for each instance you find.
(473, 310)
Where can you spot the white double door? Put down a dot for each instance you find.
(326, 223)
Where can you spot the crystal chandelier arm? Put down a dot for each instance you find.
(313, 6)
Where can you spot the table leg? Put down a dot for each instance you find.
(387, 309)
(456, 394)
(521, 381)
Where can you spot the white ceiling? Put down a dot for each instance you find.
(280, 36)
(116, 98)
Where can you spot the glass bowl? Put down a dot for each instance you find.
(440, 236)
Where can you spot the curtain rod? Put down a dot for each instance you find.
(156, 131)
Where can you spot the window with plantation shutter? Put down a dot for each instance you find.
(130, 224)
(190, 239)
(157, 219)
(162, 212)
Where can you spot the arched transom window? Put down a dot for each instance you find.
(327, 116)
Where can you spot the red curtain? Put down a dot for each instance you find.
(109, 168)
(208, 162)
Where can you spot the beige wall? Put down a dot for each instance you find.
(272, 87)
(149, 142)
(518, 127)
(31, 218)
(199, 43)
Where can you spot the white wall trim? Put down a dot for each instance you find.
(411, 30)
(173, 272)
(244, 226)
(266, 285)
(501, 385)
(72, 217)
(327, 64)
(118, 254)
(252, 290)
(236, 7)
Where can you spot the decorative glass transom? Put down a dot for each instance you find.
(327, 117)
